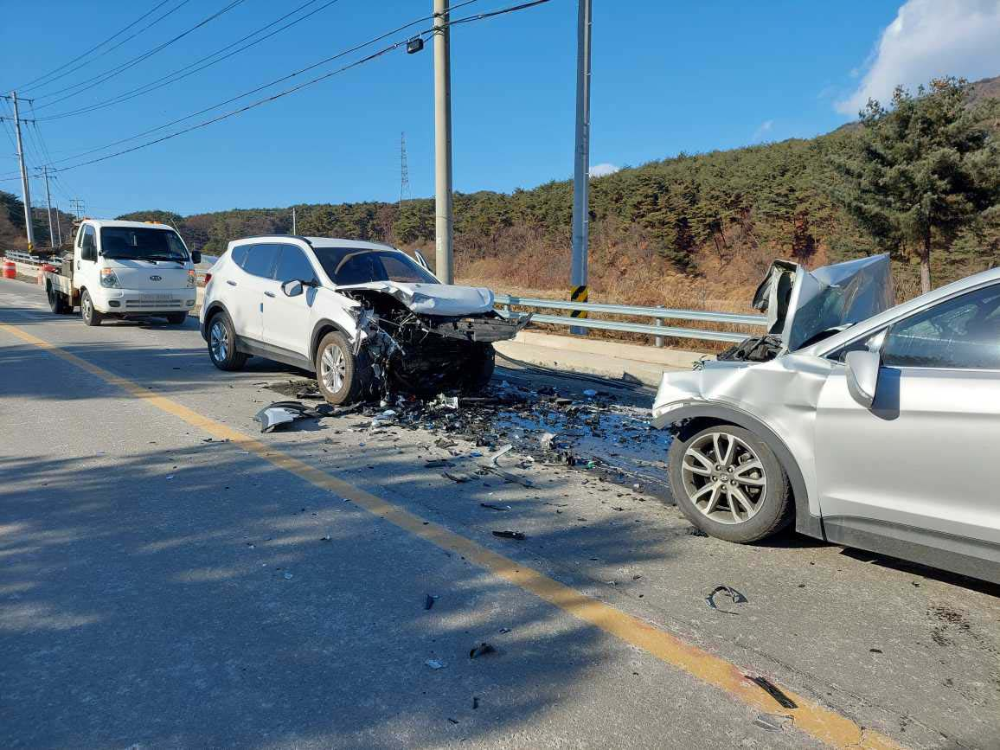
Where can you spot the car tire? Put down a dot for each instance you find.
(480, 369)
(90, 315)
(177, 319)
(342, 376)
(708, 482)
(222, 344)
(58, 303)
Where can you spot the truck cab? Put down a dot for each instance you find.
(128, 269)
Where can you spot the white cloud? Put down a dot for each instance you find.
(930, 39)
(603, 170)
(764, 128)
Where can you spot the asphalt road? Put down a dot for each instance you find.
(161, 587)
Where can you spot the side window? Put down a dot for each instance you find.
(870, 343)
(293, 265)
(239, 255)
(961, 333)
(260, 260)
(88, 244)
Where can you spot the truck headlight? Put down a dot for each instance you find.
(109, 279)
(192, 279)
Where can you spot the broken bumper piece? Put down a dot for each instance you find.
(483, 329)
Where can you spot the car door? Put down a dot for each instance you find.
(250, 284)
(288, 320)
(86, 272)
(921, 463)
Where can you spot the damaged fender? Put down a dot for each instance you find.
(776, 400)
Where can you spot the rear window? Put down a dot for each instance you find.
(351, 265)
(239, 254)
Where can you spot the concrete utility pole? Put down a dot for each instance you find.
(24, 176)
(581, 170)
(48, 204)
(444, 266)
(295, 224)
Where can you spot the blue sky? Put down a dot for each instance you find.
(668, 76)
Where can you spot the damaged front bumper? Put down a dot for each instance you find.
(483, 329)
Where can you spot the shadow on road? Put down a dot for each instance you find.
(198, 598)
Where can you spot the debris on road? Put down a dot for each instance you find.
(429, 601)
(482, 649)
(772, 722)
(456, 476)
(598, 433)
(434, 664)
(735, 596)
(286, 412)
(494, 506)
(773, 690)
(510, 535)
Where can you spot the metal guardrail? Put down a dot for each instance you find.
(27, 258)
(659, 314)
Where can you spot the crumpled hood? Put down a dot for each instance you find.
(434, 299)
(801, 304)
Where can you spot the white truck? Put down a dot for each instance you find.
(124, 269)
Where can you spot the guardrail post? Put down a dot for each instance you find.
(659, 324)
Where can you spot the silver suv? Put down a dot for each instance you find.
(879, 433)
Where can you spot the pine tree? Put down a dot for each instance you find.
(922, 170)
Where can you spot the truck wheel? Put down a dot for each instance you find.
(90, 316)
(57, 301)
(222, 344)
(342, 376)
(481, 365)
(729, 484)
(177, 319)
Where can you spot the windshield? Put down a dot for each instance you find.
(350, 265)
(142, 244)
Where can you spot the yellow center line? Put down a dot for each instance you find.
(820, 722)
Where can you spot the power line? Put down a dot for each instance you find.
(289, 91)
(256, 90)
(107, 75)
(175, 76)
(95, 47)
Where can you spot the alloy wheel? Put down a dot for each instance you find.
(724, 478)
(219, 341)
(333, 368)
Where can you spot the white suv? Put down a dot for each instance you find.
(365, 317)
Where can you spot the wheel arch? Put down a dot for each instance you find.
(214, 307)
(320, 330)
(688, 420)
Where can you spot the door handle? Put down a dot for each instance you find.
(230, 282)
(269, 294)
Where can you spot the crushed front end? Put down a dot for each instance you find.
(411, 349)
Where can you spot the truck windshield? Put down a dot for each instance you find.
(127, 243)
(351, 265)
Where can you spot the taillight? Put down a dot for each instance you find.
(208, 278)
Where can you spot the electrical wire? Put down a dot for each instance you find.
(258, 89)
(286, 92)
(175, 75)
(31, 84)
(107, 75)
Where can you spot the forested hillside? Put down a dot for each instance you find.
(689, 230)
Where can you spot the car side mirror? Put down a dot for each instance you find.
(292, 288)
(196, 256)
(862, 376)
